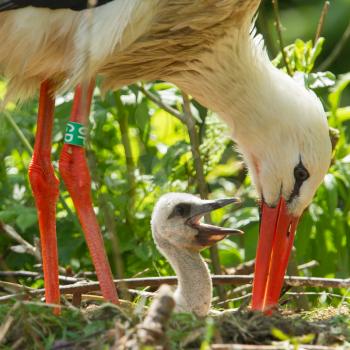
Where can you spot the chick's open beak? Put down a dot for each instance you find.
(208, 235)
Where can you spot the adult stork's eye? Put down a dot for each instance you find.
(182, 209)
(300, 173)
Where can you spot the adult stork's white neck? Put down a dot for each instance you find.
(281, 130)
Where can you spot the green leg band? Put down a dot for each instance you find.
(75, 134)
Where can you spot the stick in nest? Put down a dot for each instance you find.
(152, 330)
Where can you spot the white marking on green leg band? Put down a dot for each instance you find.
(75, 134)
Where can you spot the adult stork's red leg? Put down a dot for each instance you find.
(75, 173)
(45, 189)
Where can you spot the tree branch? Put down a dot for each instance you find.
(122, 118)
(291, 281)
(152, 331)
(201, 183)
(175, 113)
(336, 51)
(279, 34)
(12, 233)
(321, 20)
(267, 347)
(35, 275)
(108, 218)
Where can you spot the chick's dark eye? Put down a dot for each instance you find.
(181, 209)
(300, 173)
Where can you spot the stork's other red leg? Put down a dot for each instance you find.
(75, 173)
(45, 190)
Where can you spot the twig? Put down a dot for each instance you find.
(237, 280)
(187, 119)
(279, 34)
(232, 293)
(152, 331)
(321, 20)
(108, 218)
(240, 289)
(264, 28)
(201, 183)
(76, 299)
(7, 323)
(292, 269)
(195, 145)
(333, 295)
(308, 265)
(30, 274)
(247, 267)
(83, 297)
(142, 293)
(336, 51)
(130, 166)
(19, 132)
(242, 297)
(12, 233)
(283, 346)
(13, 287)
(175, 113)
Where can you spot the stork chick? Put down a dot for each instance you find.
(180, 236)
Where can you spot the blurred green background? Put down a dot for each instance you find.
(137, 151)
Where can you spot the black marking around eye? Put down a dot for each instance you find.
(182, 210)
(300, 175)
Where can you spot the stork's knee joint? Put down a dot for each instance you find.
(74, 170)
(42, 179)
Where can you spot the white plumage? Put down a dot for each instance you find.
(208, 49)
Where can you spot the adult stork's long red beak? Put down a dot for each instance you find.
(277, 230)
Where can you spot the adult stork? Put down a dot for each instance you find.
(208, 49)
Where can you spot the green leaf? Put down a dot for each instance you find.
(343, 114)
(330, 184)
(305, 339)
(299, 52)
(337, 90)
(277, 333)
(315, 52)
(320, 80)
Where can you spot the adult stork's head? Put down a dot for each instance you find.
(288, 157)
(284, 139)
(286, 144)
(281, 130)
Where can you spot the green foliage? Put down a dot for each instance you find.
(294, 341)
(208, 335)
(34, 326)
(159, 161)
(301, 56)
(137, 151)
